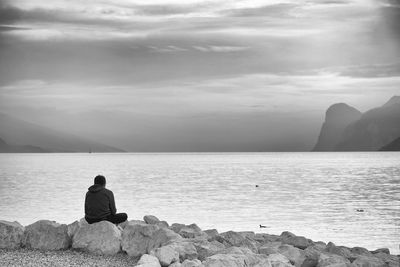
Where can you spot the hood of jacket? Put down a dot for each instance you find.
(95, 188)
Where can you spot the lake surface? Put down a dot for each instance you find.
(310, 194)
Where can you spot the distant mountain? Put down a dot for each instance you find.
(375, 128)
(337, 118)
(17, 131)
(394, 100)
(392, 146)
(6, 148)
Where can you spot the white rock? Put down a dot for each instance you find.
(148, 261)
(138, 239)
(166, 255)
(162, 224)
(225, 260)
(278, 260)
(11, 234)
(125, 223)
(185, 249)
(211, 234)
(206, 249)
(295, 255)
(269, 248)
(191, 263)
(332, 260)
(192, 231)
(340, 250)
(367, 261)
(296, 241)
(391, 260)
(236, 250)
(102, 238)
(151, 219)
(236, 239)
(237, 260)
(46, 235)
(176, 227)
(72, 228)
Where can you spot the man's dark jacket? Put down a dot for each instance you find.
(99, 202)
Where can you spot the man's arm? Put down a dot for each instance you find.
(86, 204)
(112, 202)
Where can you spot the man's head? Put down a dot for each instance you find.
(100, 180)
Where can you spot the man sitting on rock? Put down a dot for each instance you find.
(100, 204)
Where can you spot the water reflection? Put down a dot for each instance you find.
(311, 194)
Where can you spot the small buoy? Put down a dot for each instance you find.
(359, 210)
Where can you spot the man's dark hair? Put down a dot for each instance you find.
(100, 179)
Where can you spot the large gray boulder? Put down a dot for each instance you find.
(309, 262)
(139, 239)
(340, 250)
(390, 260)
(333, 260)
(295, 255)
(147, 260)
(191, 263)
(236, 250)
(225, 260)
(367, 261)
(360, 251)
(278, 260)
(206, 249)
(211, 234)
(176, 227)
(102, 238)
(237, 260)
(46, 235)
(269, 248)
(192, 231)
(185, 249)
(315, 250)
(297, 241)
(166, 255)
(72, 228)
(151, 219)
(162, 224)
(381, 250)
(11, 234)
(263, 238)
(236, 239)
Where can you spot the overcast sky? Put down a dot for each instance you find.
(184, 68)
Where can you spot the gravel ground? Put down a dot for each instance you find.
(25, 257)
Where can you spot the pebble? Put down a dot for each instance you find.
(26, 257)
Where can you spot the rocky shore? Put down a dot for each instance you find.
(155, 243)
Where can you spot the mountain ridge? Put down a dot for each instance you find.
(371, 131)
(7, 148)
(20, 132)
(392, 146)
(337, 117)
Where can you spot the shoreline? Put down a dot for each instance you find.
(156, 243)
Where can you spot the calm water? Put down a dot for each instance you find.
(310, 194)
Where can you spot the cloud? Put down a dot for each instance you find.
(274, 10)
(221, 49)
(368, 71)
(125, 19)
(260, 91)
(167, 49)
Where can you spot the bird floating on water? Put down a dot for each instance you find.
(256, 185)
